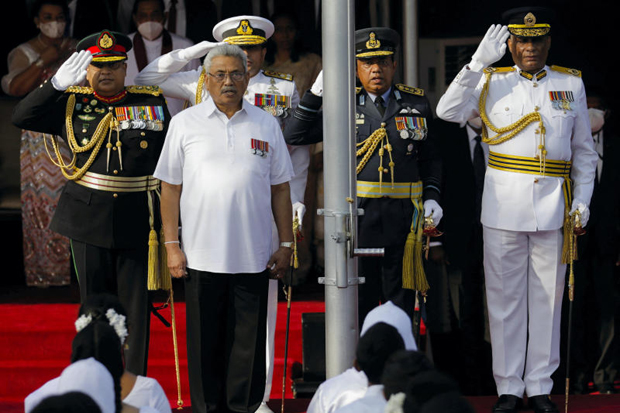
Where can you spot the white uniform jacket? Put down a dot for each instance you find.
(523, 202)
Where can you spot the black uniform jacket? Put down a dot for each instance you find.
(386, 221)
(101, 218)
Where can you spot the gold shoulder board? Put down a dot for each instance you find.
(566, 70)
(146, 90)
(283, 76)
(499, 69)
(409, 89)
(80, 90)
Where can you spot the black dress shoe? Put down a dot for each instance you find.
(507, 403)
(542, 404)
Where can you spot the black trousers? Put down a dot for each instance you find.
(226, 339)
(384, 282)
(122, 272)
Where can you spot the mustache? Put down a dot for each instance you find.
(227, 89)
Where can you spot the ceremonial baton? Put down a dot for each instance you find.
(577, 230)
(288, 292)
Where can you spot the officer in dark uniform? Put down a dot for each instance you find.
(398, 172)
(108, 205)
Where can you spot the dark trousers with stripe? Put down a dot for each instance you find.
(384, 282)
(122, 272)
(226, 333)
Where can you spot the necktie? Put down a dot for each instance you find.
(379, 105)
(479, 171)
(172, 16)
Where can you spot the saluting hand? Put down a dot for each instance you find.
(198, 50)
(491, 48)
(73, 70)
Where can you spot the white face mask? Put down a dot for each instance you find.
(150, 30)
(597, 119)
(53, 30)
(475, 123)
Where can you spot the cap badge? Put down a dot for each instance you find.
(529, 20)
(105, 41)
(372, 42)
(244, 28)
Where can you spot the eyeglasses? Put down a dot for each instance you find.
(109, 65)
(235, 76)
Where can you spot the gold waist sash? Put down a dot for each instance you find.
(399, 190)
(118, 183)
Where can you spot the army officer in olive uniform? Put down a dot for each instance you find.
(107, 206)
(398, 172)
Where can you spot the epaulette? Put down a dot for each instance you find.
(566, 70)
(507, 69)
(146, 90)
(283, 76)
(409, 89)
(358, 90)
(81, 90)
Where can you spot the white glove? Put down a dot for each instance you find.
(299, 211)
(317, 86)
(431, 207)
(197, 51)
(72, 71)
(583, 210)
(491, 48)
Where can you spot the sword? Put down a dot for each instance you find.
(288, 291)
(577, 230)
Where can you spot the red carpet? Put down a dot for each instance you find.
(35, 343)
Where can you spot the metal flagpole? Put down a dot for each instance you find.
(340, 212)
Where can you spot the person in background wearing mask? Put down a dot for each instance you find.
(46, 253)
(595, 346)
(151, 41)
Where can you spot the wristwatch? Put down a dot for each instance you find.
(287, 244)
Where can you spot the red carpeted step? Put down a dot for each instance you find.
(36, 347)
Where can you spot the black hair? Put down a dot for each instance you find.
(400, 368)
(100, 341)
(298, 46)
(134, 10)
(38, 4)
(375, 347)
(70, 402)
(96, 305)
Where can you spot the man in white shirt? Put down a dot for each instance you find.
(225, 170)
(274, 92)
(153, 40)
(540, 173)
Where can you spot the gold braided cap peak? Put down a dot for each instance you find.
(278, 75)
(566, 70)
(506, 69)
(410, 89)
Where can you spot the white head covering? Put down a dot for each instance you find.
(243, 30)
(395, 316)
(87, 376)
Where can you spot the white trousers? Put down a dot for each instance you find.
(524, 286)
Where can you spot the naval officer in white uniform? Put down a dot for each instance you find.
(541, 170)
